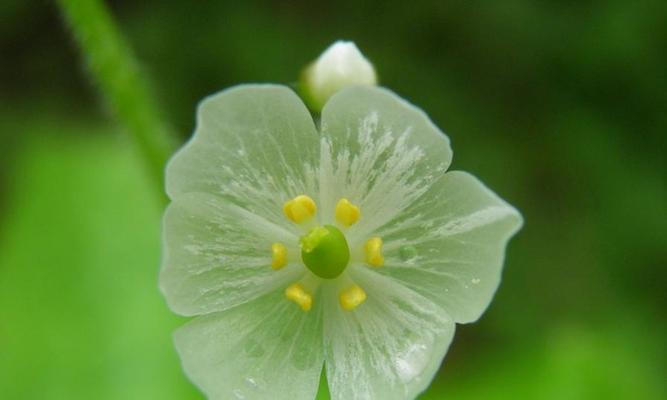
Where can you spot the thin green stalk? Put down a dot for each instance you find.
(116, 72)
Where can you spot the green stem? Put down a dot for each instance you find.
(117, 74)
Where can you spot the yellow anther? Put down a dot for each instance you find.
(279, 252)
(298, 294)
(373, 249)
(347, 213)
(351, 297)
(300, 208)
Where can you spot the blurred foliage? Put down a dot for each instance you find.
(81, 317)
(558, 106)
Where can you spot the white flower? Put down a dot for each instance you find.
(348, 247)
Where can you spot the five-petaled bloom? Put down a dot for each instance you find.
(345, 245)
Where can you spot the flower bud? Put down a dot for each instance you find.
(341, 65)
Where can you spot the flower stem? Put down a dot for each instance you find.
(116, 72)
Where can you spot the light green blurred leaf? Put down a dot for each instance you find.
(80, 312)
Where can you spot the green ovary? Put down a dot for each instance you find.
(325, 252)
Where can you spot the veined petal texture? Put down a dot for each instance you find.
(388, 348)
(264, 349)
(217, 255)
(449, 245)
(378, 151)
(255, 146)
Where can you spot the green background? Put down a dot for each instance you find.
(560, 107)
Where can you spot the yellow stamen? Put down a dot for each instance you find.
(373, 250)
(351, 297)
(298, 294)
(279, 252)
(347, 213)
(300, 208)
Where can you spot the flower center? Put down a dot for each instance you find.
(325, 252)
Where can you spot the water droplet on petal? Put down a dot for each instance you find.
(251, 382)
(412, 362)
(475, 281)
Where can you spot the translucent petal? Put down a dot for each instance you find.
(389, 347)
(379, 152)
(450, 244)
(265, 349)
(218, 255)
(254, 145)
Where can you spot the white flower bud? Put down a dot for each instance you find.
(341, 65)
